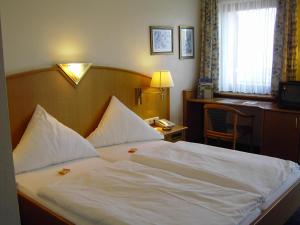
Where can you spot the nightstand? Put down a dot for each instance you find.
(177, 133)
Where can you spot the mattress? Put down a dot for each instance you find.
(29, 183)
(120, 152)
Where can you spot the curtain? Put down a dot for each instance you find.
(246, 29)
(209, 47)
(285, 43)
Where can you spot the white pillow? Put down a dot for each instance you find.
(120, 125)
(46, 141)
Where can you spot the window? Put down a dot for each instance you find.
(246, 33)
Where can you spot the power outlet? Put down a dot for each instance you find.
(151, 120)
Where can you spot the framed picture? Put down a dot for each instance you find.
(186, 42)
(161, 40)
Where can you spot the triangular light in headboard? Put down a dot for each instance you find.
(75, 71)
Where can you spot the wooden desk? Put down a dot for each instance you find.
(279, 129)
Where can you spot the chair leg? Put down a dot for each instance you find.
(205, 140)
(234, 144)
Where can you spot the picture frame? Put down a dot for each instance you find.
(186, 42)
(161, 40)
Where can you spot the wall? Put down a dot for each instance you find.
(115, 33)
(9, 213)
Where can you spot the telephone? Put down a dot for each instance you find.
(165, 124)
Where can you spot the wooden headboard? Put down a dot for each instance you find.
(81, 107)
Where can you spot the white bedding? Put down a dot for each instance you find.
(30, 182)
(254, 173)
(130, 193)
(119, 152)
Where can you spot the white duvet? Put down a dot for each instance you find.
(233, 169)
(130, 193)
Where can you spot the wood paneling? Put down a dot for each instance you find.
(281, 134)
(34, 213)
(79, 108)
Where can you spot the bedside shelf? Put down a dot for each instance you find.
(177, 133)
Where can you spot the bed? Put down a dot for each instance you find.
(136, 193)
(81, 110)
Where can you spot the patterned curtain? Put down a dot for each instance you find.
(209, 47)
(285, 43)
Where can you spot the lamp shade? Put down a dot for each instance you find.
(75, 71)
(162, 79)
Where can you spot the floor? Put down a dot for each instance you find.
(295, 219)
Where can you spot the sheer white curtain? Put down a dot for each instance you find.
(246, 33)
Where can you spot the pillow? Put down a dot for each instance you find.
(47, 141)
(120, 125)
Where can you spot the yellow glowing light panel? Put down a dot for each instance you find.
(162, 79)
(75, 71)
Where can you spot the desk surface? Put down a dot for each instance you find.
(264, 105)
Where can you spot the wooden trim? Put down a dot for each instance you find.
(216, 134)
(282, 209)
(31, 72)
(226, 108)
(34, 213)
(244, 96)
(56, 68)
(122, 70)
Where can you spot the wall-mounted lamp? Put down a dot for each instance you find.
(160, 79)
(75, 71)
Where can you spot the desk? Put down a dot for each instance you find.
(278, 129)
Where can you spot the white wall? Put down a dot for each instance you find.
(38, 34)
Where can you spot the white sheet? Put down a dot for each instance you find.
(244, 171)
(119, 152)
(30, 182)
(131, 193)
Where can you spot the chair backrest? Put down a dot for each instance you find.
(217, 119)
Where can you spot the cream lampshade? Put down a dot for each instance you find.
(162, 79)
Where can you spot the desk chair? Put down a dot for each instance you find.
(221, 122)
